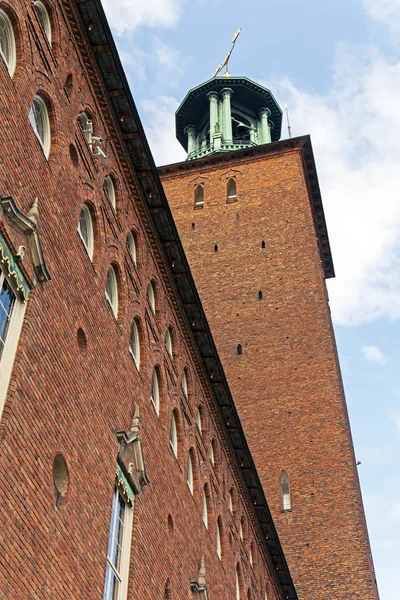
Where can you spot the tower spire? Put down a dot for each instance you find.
(227, 57)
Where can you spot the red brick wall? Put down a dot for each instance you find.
(286, 384)
(62, 399)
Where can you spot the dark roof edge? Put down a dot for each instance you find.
(144, 165)
(303, 143)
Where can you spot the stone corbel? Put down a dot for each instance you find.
(131, 457)
(26, 224)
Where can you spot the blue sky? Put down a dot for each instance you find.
(337, 64)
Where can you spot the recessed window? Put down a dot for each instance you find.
(134, 343)
(216, 248)
(40, 123)
(85, 230)
(119, 547)
(184, 383)
(110, 189)
(155, 391)
(8, 49)
(173, 435)
(211, 454)
(198, 420)
(230, 502)
(44, 18)
(12, 309)
(263, 244)
(239, 349)
(205, 509)
(168, 341)
(241, 527)
(112, 290)
(131, 243)
(69, 82)
(60, 475)
(189, 479)
(260, 295)
(237, 583)
(285, 492)
(218, 540)
(151, 297)
(231, 190)
(199, 196)
(251, 556)
(86, 126)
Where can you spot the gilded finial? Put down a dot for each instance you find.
(227, 57)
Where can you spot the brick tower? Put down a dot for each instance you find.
(249, 212)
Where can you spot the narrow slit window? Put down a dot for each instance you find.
(173, 435)
(190, 473)
(155, 392)
(260, 295)
(199, 196)
(285, 492)
(263, 244)
(111, 291)
(205, 509)
(216, 248)
(239, 349)
(134, 344)
(85, 230)
(231, 190)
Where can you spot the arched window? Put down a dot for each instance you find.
(190, 472)
(239, 349)
(184, 383)
(40, 123)
(205, 508)
(199, 196)
(218, 539)
(241, 528)
(151, 297)
(198, 420)
(131, 243)
(110, 189)
(237, 583)
(230, 501)
(211, 454)
(168, 341)
(260, 295)
(8, 48)
(263, 244)
(86, 126)
(155, 391)
(44, 18)
(251, 554)
(285, 492)
(112, 290)
(85, 230)
(173, 435)
(231, 190)
(134, 343)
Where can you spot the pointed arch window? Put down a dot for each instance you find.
(131, 243)
(8, 48)
(155, 391)
(198, 420)
(184, 384)
(190, 472)
(241, 527)
(111, 292)
(40, 123)
(85, 230)
(151, 297)
(44, 18)
(230, 502)
(211, 454)
(285, 492)
(110, 189)
(173, 435)
(205, 509)
(231, 193)
(218, 539)
(168, 341)
(199, 196)
(134, 344)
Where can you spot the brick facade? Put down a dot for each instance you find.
(70, 393)
(257, 265)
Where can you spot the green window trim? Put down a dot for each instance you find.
(124, 486)
(12, 270)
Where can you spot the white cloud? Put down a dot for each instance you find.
(355, 129)
(159, 119)
(387, 12)
(374, 354)
(125, 15)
